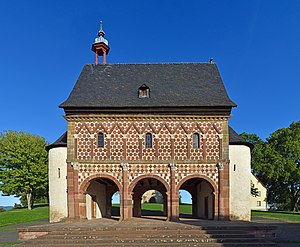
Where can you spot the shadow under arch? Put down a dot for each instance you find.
(85, 184)
(144, 183)
(139, 178)
(95, 195)
(210, 181)
(204, 192)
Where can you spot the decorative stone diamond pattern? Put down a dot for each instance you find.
(116, 145)
(86, 170)
(164, 144)
(84, 144)
(180, 145)
(132, 144)
(208, 170)
(116, 131)
(136, 170)
(212, 143)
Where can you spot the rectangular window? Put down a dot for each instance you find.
(100, 140)
(196, 143)
(258, 203)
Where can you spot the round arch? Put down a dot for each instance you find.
(85, 184)
(204, 198)
(210, 182)
(139, 178)
(89, 207)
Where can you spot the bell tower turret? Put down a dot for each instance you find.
(100, 46)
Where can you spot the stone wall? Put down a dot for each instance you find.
(240, 161)
(58, 183)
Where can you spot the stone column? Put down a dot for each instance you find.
(141, 136)
(137, 210)
(173, 213)
(108, 146)
(126, 206)
(220, 136)
(71, 192)
(223, 206)
(204, 146)
(109, 193)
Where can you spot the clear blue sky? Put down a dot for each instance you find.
(45, 44)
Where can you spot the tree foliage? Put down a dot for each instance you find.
(276, 162)
(23, 165)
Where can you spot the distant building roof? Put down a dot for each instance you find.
(172, 85)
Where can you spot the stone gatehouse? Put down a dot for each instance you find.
(139, 127)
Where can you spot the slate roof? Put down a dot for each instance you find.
(60, 142)
(234, 139)
(171, 85)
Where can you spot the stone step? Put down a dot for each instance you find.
(134, 232)
(146, 235)
(228, 244)
(150, 240)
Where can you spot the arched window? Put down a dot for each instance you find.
(100, 140)
(148, 140)
(196, 143)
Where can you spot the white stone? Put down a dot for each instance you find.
(240, 162)
(58, 183)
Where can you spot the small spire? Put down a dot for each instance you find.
(101, 32)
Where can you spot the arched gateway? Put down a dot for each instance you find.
(137, 127)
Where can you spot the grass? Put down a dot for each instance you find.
(278, 215)
(22, 215)
(9, 243)
(155, 209)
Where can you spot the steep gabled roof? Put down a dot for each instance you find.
(171, 85)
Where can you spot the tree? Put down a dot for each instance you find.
(276, 162)
(23, 165)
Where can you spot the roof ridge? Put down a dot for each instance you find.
(152, 63)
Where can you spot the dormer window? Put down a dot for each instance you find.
(144, 91)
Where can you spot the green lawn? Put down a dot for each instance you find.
(155, 209)
(17, 216)
(280, 215)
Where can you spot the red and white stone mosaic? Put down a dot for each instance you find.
(122, 140)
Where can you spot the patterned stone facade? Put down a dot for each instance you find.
(171, 160)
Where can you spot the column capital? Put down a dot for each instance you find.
(125, 166)
(172, 166)
(220, 165)
(75, 165)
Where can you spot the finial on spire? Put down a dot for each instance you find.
(100, 46)
(101, 32)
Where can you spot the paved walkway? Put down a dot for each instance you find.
(286, 233)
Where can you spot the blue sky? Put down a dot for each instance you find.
(45, 44)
